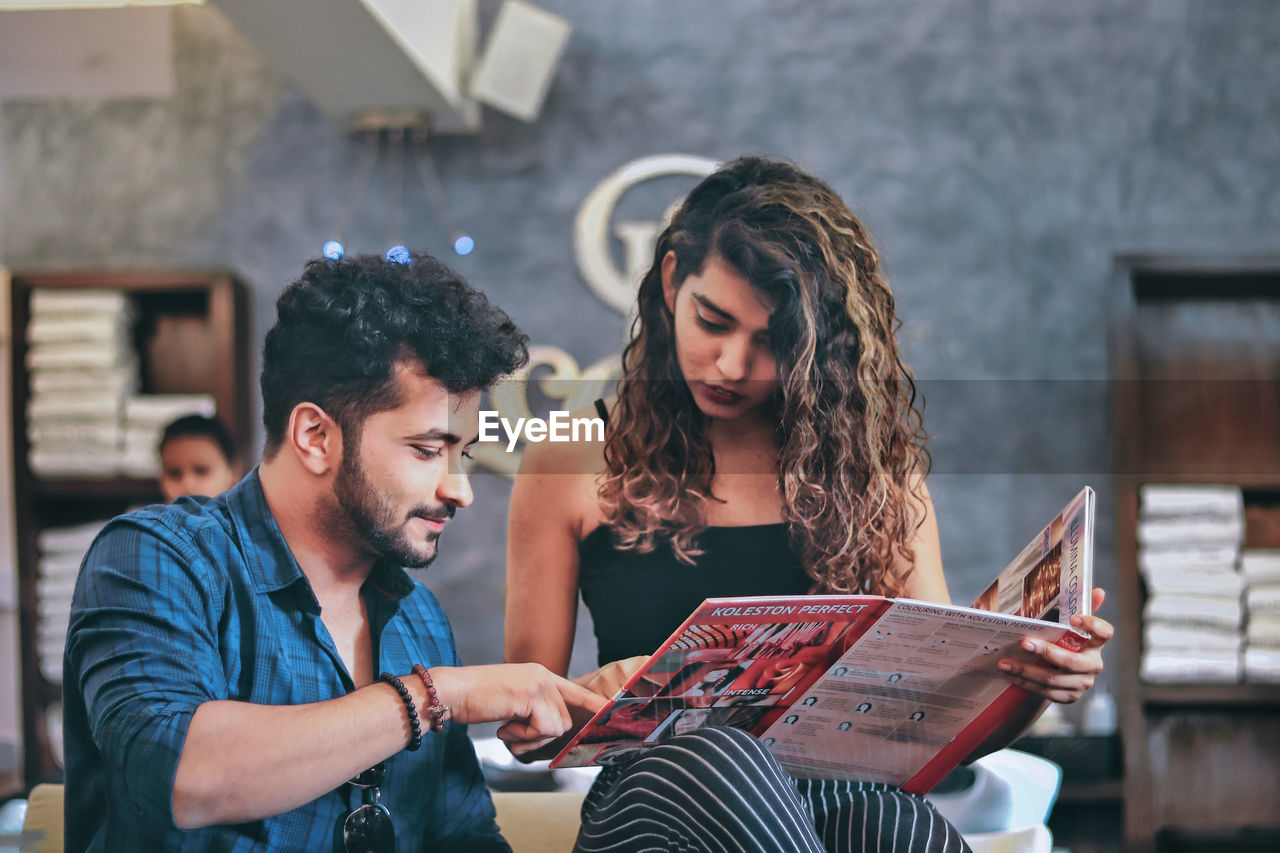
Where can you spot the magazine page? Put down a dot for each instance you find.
(1052, 579)
(739, 662)
(907, 690)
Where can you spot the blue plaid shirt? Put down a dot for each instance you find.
(201, 600)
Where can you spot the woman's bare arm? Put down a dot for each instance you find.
(549, 504)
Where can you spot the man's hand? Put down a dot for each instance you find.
(1061, 675)
(602, 684)
(537, 704)
(608, 679)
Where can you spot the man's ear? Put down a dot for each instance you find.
(314, 438)
(669, 280)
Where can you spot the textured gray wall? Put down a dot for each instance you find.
(1001, 152)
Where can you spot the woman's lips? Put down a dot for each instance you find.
(722, 396)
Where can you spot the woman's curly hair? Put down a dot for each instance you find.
(850, 438)
(344, 325)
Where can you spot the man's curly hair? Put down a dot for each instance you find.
(343, 326)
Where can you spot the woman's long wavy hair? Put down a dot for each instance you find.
(851, 443)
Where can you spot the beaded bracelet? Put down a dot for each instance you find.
(437, 712)
(415, 740)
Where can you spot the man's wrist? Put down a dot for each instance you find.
(435, 712)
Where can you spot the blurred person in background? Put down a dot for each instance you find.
(198, 456)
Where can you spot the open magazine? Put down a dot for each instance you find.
(855, 686)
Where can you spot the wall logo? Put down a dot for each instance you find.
(617, 287)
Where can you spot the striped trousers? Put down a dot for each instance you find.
(719, 789)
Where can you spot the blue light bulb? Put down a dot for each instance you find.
(398, 255)
(463, 244)
(333, 250)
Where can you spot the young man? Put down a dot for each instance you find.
(222, 679)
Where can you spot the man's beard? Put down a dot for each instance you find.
(371, 520)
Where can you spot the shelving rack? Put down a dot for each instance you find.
(190, 332)
(1195, 355)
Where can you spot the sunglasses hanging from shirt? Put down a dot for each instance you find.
(368, 828)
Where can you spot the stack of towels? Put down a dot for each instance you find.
(82, 367)
(1261, 570)
(85, 417)
(61, 550)
(1189, 540)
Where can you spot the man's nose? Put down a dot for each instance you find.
(455, 487)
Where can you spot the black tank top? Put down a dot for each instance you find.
(638, 600)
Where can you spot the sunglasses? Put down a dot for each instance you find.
(367, 828)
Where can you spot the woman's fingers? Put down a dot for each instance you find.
(1060, 674)
(1099, 629)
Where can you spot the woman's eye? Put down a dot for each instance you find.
(466, 453)
(710, 326)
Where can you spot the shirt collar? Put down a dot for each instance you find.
(271, 562)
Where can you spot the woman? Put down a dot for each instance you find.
(764, 440)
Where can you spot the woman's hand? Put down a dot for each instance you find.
(1061, 675)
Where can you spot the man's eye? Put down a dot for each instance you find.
(426, 452)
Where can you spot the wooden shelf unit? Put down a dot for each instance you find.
(191, 334)
(1195, 360)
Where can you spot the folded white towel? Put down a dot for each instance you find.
(52, 646)
(1180, 667)
(142, 437)
(63, 457)
(1165, 637)
(100, 432)
(141, 463)
(55, 586)
(53, 606)
(1263, 597)
(60, 565)
(1156, 557)
(52, 633)
(123, 379)
(1173, 499)
(1191, 530)
(1262, 664)
(73, 539)
(1260, 565)
(73, 328)
(91, 356)
(101, 301)
(162, 408)
(53, 623)
(1205, 610)
(67, 464)
(64, 405)
(1212, 581)
(1263, 628)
